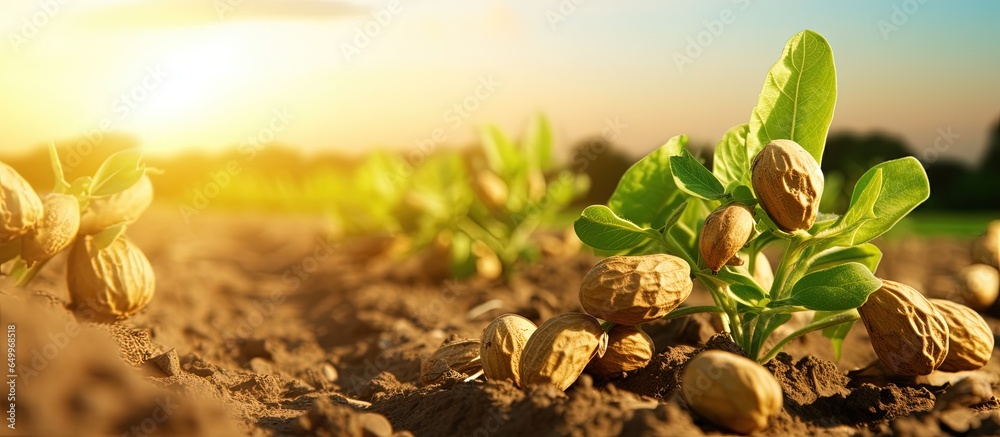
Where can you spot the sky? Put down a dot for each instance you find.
(353, 75)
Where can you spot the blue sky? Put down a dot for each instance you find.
(601, 62)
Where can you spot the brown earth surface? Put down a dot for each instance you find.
(260, 326)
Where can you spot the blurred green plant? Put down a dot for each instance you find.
(480, 211)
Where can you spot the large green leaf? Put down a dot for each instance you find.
(839, 288)
(904, 186)
(798, 97)
(647, 189)
(118, 172)
(844, 231)
(600, 228)
(731, 163)
(867, 254)
(693, 178)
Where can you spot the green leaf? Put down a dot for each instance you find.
(117, 173)
(798, 97)
(600, 228)
(675, 215)
(744, 287)
(693, 178)
(866, 254)
(843, 232)
(747, 294)
(744, 195)
(685, 231)
(836, 333)
(503, 157)
(647, 190)
(57, 170)
(843, 287)
(463, 263)
(904, 186)
(538, 144)
(104, 239)
(731, 163)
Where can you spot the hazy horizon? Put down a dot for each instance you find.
(185, 75)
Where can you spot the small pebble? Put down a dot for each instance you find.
(329, 372)
(375, 425)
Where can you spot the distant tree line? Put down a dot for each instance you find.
(954, 185)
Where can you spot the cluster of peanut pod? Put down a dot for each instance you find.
(108, 277)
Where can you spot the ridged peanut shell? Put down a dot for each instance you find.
(632, 290)
(731, 391)
(629, 348)
(55, 232)
(501, 347)
(123, 207)
(560, 349)
(909, 335)
(114, 282)
(788, 183)
(461, 356)
(970, 340)
(20, 207)
(725, 232)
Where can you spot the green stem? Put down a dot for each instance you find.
(732, 321)
(789, 262)
(759, 334)
(674, 246)
(687, 311)
(24, 274)
(825, 323)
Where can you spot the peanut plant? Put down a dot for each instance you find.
(107, 276)
(763, 189)
(479, 211)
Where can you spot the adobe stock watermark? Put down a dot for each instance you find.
(900, 16)
(218, 181)
(713, 29)
(454, 117)
(365, 33)
(33, 23)
(122, 108)
(944, 141)
(224, 7)
(563, 10)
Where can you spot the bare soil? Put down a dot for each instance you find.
(262, 326)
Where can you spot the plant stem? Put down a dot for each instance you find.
(732, 321)
(24, 274)
(825, 323)
(687, 311)
(672, 244)
(789, 262)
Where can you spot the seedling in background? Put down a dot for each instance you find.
(480, 211)
(769, 166)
